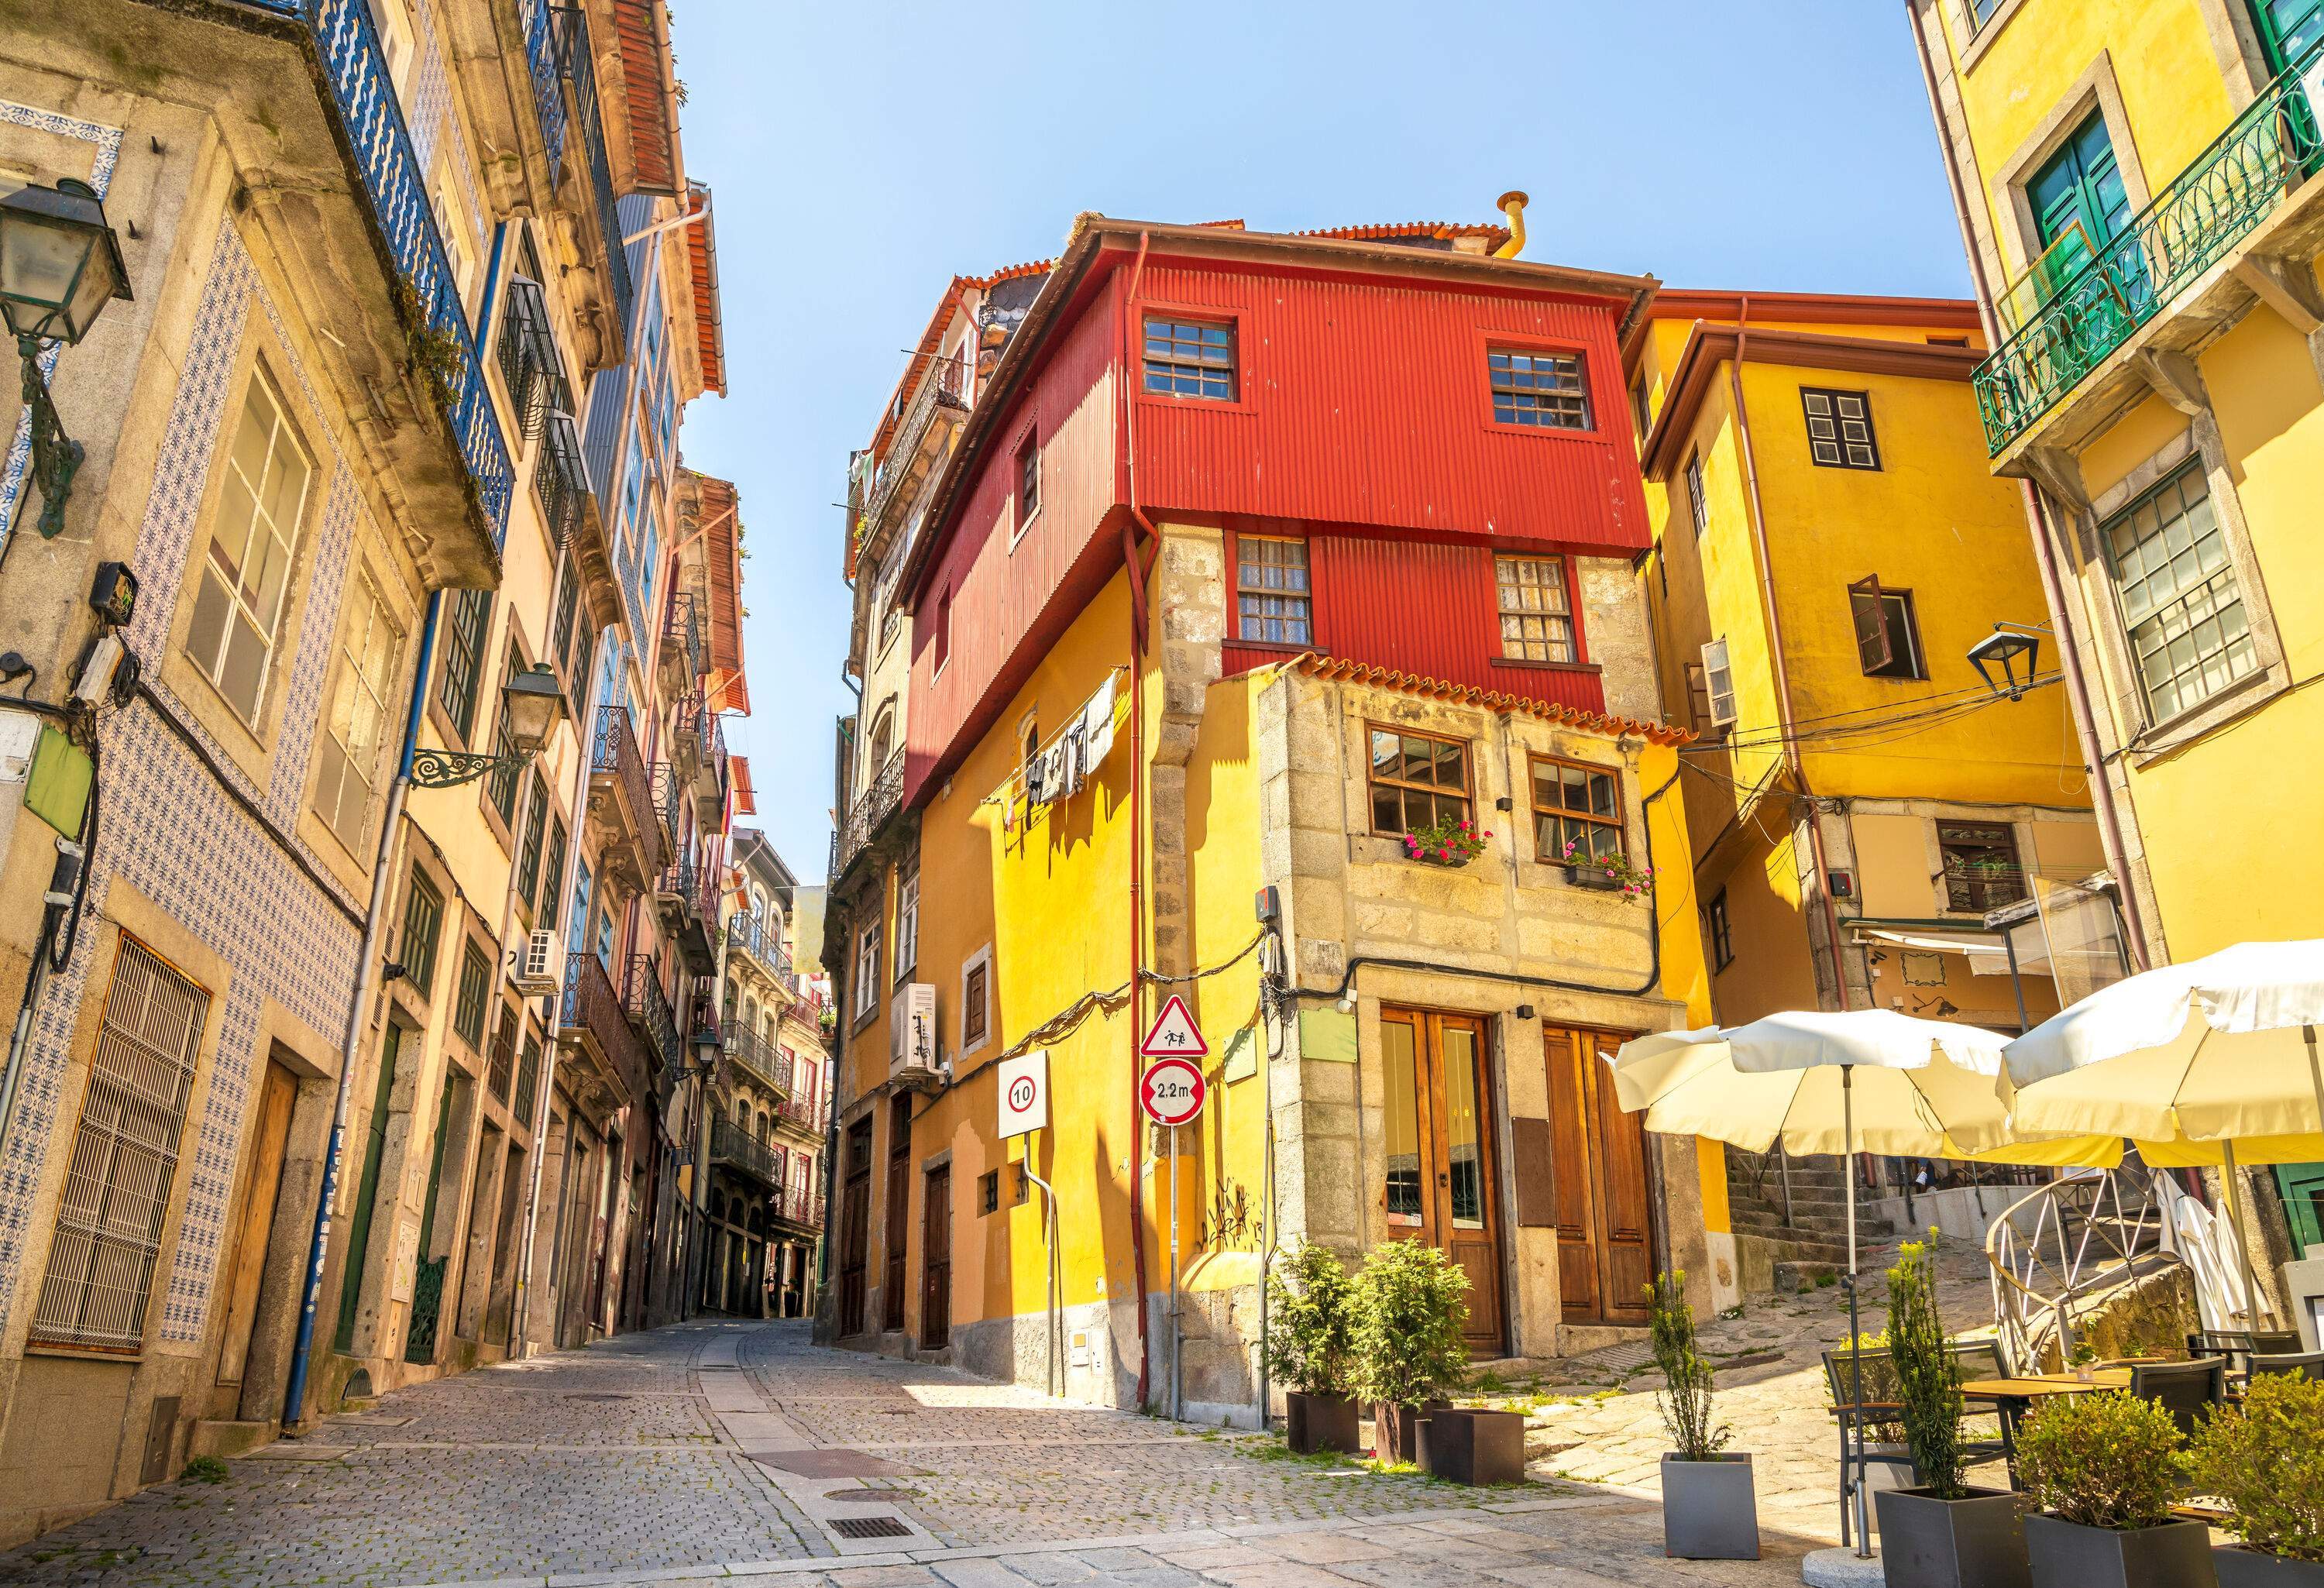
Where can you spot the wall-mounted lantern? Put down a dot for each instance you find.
(59, 266)
(532, 702)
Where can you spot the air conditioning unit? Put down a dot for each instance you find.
(536, 971)
(912, 1031)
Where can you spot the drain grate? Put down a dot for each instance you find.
(869, 1527)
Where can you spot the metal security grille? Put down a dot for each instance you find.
(124, 1157)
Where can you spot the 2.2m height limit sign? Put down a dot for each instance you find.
(1172, 1089)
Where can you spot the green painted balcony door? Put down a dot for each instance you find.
(2289, 29)
(2080, 183)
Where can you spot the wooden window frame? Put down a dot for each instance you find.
(474, 995)
(1497, 346)
(1150, 314)
(343, 701)
(1617, 823)
(462, 664)
(1307, 597)
(1877, 613)
(209, 564)
(421, 977)
(1974, 894)
(1026, 482)
(1838, 441)
(1718, 931)
(976, 1022)
(2185, 681)
(869, 943)
(1724, 666)
(1570, 616)
(1698, 506)
(1372, 780)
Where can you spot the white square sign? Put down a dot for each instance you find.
(1024, 1085)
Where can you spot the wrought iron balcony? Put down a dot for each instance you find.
(593, 1010)
(2221, 197)
(752, 936)
(937, 408)
(620, 792)
(735, 1148)
(682, 647)
(688, 892)
(650, 1014)
(669, 804)
(864, 817)
(801, 1205)
(364, 98)
(710, 769)
(766, 1063)
(558, 43)
(796, 1109)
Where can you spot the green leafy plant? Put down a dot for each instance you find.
(1633, 881)
(1411, 1308)
(1684, 1398)
(1450, 840)
(2103, 1461)
(1311, 1321)
(205, 1468)
(1927, 1375)
(2266, 1463)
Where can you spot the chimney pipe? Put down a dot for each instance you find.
(1512, 204)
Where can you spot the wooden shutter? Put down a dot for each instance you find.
(1866, 608)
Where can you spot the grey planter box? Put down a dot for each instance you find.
(1473, 1446)
(1593, 877)
(1978, 1542)
(2247, 1568)
(1710, 1508)
(2067, 1555)
(1315, 1423)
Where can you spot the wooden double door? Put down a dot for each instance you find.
(1598, 1167)
(1440, 1181)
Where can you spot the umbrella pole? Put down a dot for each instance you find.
(2315, 1074)
(2232, 1184)
(1855, 1324)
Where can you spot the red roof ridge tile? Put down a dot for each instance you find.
(1388, 678)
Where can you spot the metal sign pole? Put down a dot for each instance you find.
(1178, 1397)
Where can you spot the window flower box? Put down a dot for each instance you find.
(1451, 842)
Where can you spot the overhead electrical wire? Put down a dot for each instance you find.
(1920, 716)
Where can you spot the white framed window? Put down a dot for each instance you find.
(976, 1012)
(246, 573)
(908, 923)
(347, 754)
(1718, 683)
(867, 969)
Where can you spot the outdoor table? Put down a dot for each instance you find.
(2013, 1397)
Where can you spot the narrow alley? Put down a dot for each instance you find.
(713, 1452)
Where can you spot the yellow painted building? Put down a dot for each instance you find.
(2138, 186)
(1829, 547)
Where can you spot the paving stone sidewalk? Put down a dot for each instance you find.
(742, 1453)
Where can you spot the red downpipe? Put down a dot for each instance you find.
(2069, 659)
(1776, 647)
(1137, 570)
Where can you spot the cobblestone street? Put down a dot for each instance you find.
(733, 1452)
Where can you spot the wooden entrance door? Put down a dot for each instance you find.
(855, 1228)
(899, 1200)
(935, 1260)
(1598, 1163)
(268, 1140)
(1440, 1185)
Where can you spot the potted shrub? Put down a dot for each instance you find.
(1310, 1345)
(2266, 1465)
(1411, 1309)
(1942, 1534)
(1449, 841)
(1709, 1510)
(1607, 874)
(2104, 1469)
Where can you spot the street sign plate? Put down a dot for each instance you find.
(1174, 1033)
(1172, 1091)
(1024, 1085)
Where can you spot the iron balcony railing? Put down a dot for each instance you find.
(682, 632)
(2224, 194)
(940, 389)
(669, 803)
(694, 887)
(547, 82)
(731, 1145)
(649, 1012)
(752, 936)
(798, 1109)
(577, 62)
(767, 1065)
(592, 1005)
(613, 755)
(873, 806)
(799, 1204)
(364, 97)
(561, 479)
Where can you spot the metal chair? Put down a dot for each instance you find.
(2182, 1388)
(1878, 1404)
(2305, 1363)
(2240, 1345)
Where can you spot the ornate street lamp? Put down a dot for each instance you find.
(2006, 651)
(59, 266)
(532, 702)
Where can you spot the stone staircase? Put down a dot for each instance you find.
(1774, 1254)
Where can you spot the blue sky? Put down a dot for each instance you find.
(861, 153)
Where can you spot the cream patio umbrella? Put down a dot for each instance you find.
(2212, 1061)
(1929, 1088)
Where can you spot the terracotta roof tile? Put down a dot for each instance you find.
(702, 265)
(1384, 678)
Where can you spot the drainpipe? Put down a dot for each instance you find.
(1137, 571)
(1791, 757)
(2053, 585)
(294, 1390)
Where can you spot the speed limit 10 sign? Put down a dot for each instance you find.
(1172, 1090)
(1024, 1093)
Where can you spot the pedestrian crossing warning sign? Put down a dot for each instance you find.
(1174, 1034)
